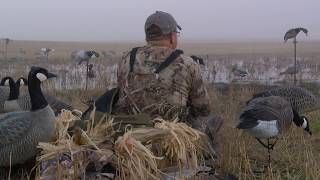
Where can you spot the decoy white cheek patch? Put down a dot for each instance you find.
(41, 77)
(21, 82)
(6, 83)
(305, 123)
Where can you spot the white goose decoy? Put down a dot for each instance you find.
(20, 132)
(268, 117)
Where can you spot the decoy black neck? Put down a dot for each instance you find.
(14, 91)
(37, 98)
(298, 121)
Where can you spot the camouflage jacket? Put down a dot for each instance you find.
(177, 91)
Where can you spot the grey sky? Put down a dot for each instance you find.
(123, 20)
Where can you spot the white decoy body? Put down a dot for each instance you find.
(20, 132)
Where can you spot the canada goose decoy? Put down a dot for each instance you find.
(268, 117)
(197, 59)
(56, 105)
(292, 33)
(15, 102)
(83, 56)
(22, 84)
(4, 93)
(290, 71)
(20, 132)
(300, 99)
(11, 103)
(239, 72)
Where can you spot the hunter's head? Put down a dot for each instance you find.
(162, 30)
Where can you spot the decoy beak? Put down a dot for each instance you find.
(51, 75)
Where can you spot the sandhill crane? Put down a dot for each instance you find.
(292, 33)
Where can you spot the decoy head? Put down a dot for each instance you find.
(22, 82)
(39, 74)
(7, 81)
(92, 54)
(305, 124)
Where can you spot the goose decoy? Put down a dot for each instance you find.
(56, 105)
(290, 71)
(300, 99)
(17, 102)
(197, 59)
(20, 132)
(83, 56)
(46, 52)
(22, 84)
(4, 93)
(292, 33)
(268, 117)
(11, 103)
(239, 72)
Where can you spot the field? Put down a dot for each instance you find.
(296, 156)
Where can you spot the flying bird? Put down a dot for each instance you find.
(292, 33)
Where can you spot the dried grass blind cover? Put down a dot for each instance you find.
(139, 154)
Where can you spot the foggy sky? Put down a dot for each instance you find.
(123, 20)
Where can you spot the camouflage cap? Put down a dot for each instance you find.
(164, 21)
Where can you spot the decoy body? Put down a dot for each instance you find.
(268, 117)
(300, 99)
(290, 71)
(57, 105)
(83, 56)
(239, 72)
(20, 132)
(292, 33)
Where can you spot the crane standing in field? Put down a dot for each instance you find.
(292, 33)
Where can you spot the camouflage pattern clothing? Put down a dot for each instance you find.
(177, 91)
